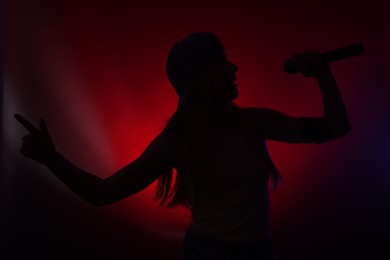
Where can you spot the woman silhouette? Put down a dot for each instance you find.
(217, 148)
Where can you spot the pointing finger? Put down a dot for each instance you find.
(30, 127)
(43, 127)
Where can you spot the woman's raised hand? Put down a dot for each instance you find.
(38, 144)
(310, 63)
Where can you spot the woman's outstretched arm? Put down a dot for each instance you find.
(131, 179)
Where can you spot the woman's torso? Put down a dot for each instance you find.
(239, 211)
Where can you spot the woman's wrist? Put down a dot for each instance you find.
(324, 73)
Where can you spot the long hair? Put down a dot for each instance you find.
(191, 124)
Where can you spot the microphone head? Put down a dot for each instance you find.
(290, 66)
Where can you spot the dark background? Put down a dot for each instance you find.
(95, 70)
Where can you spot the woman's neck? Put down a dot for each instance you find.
(220, 114)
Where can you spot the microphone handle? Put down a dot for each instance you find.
(291, 65)
(343, 53)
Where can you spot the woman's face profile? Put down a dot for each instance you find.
(221, 74)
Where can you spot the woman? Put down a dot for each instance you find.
(217, 148)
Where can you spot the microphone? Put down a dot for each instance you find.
(292, 66)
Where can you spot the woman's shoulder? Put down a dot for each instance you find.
(242, 113)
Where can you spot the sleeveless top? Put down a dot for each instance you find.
(239, 212)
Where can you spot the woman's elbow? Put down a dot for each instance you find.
(343, 131)
(333, 135)
(98, 203)
(106, 197)
(99, 196)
